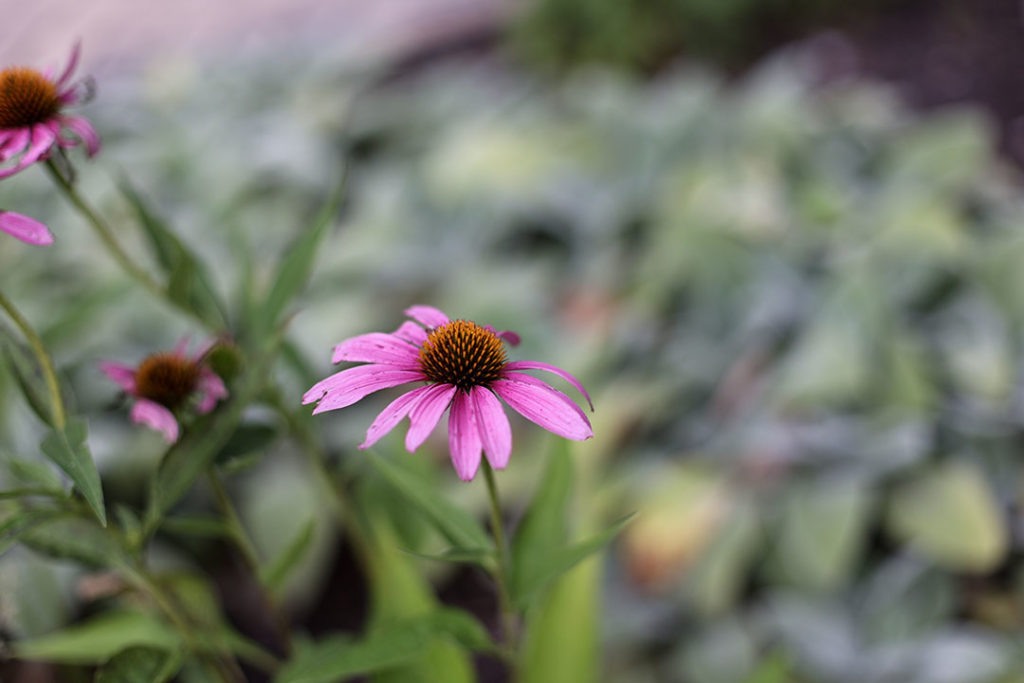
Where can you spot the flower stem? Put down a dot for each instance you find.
(247, 549)
(508, 615)
(106, 236)
(49, 375)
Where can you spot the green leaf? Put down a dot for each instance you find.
(196, 525)
(26, 373)
(387, 647)
(543, 529)
(457, 525)
(35, 472)
(140, 664)
(950, 515)
(247, 439)
(99, 639)
(70, 452)
(75, 538)
(482, 557)
(189, 284)
(13, 526)
(297, 264)
(276, 573)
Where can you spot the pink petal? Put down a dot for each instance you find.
(25, 229)
(348, 386)
(427, 316)
(84, 130)
(76, 52)
(544, 405)
(393, 414)
(211, 390)
(120, 374)
(493, 426)
(507, 336)
(16, 143)
(42, 140)
(377, 347)
(181, 347)
(536, 365)
(411, 332)
(425, 416)
(156, 416)
(463, 437)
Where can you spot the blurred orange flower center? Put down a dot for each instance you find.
(26, 98)
(462, 353)
(166, 378)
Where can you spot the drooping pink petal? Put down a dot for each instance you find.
(211, 390)
(411, 332)
(544, 405)
(393, 414)
(507, 336)
(15, 144)
(25, 228)
(76, 52)
(42, 140)
(427, 413)
(120, 374)
(156, 416)
(377, 347)
(536, 365)
(84, 130)
(427, 315)
(348, 386)
(464, 437)
(493, 427)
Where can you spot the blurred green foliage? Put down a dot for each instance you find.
(645, 34)
(799, 312)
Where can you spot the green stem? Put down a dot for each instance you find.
(106, 236)
(250, 556)
(508, 615)
(49, 375)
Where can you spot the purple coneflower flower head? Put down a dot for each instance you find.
(166, 383)
(25, 229)
(466, 370)
(33, 118)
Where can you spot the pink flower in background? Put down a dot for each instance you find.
(466, 369)
(32, 118)
(164, 383)
(25, 229)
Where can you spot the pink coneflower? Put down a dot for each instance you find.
(32, 118)
(25, 229)
(166, 383)
(466, 369)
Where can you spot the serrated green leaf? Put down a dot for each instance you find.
(277, 572)
(950, 515)
(99, 639)
(297, 264)
(457, 525)
(188, 283)
(70, 452)
(140, 664)
(526, 584)
(544, 529)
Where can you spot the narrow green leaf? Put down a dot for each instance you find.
(526, 584)
(482, 557)
(196, 525)
(140, 664)
(75, 538)
(70, 452)
(457, 525)
(277, 572)
(297, 264)
(26, 373)
(99, 639)
(189, 284)
(13, 526)
(34, 472)
(544, 529)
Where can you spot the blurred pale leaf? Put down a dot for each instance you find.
(139, 665)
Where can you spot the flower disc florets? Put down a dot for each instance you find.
(27, 97)
(167, 378)
(462, 353)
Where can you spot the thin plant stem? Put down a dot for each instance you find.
(508, 615)
(247, 549)
(49, 375)
(106, 236)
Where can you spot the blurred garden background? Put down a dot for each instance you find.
(781, 243)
